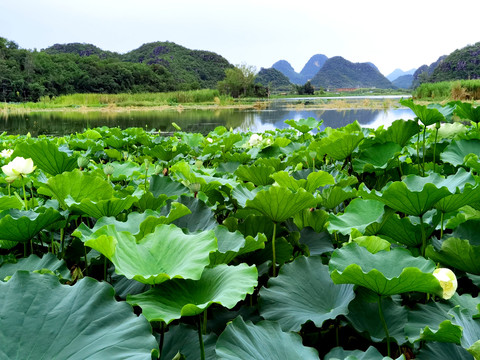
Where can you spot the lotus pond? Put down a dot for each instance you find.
(344, 243)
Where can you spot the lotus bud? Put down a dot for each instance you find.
(6, 153)
(82, 162)
(108, 169)
(437, 125)
(158, 169)
(448, 282)
(198, 164)
(210, 140)
(174, 148)
(255, 140)
(195, 187)
(299, 167)
(312, 154)
(147, 164)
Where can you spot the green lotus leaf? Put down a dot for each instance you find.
(182, 256)
(451, 131)
(222, 284)
(201, 216)
(385, 273)
(97, 209)
(339, 353)
(165, 153)
(467, 111)
(405, 230)
(264, 340)
(340, 144)
(10, 202)
(183, 339)
(165, 185)
(443, 351)
(33, 263)
(46, 156)
(471, 330)
(373, 244)
(364, 316)
(469, 195)
(102, 328)
(125, 170)
(22, 226)
(242, 193)
(455, 152)
(316, 298)
(314, 180)
(317, 244)
(415, 195)
(334, 196)
(460, 250)
(303, 125)
(279, 203)
(148, 201)
(259, 175)
(399, 132)
(375, 157)
(315, 219)
(358, 215)
(426, 115)
(78, 185)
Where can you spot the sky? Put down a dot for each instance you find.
(402, 34)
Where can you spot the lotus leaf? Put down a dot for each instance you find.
(10, 202)
(259, 175)
(334, 196)
(405, 230)
(467, 111)
(358, 215)
(222, 284)
(33, 263)
(97, 209)
(339, 353)
(399, 132)
(201, 216)
(385, 273)
(165, 185)
(443, 351)
(339, 144)
(314, 180)
(101, 329)
(264, 340)
(456, 152)
(426, 115)
(316, 298)
(315, 219)
(183, 256)
(304, 125)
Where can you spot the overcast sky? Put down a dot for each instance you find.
(402, 34)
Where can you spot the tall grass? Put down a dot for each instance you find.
(206, 96)
(455, 90)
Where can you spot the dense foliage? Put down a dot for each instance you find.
(82, 68)
(462, 64)
(274, 80)
(455, 90)
(338, 72)
(280, 245)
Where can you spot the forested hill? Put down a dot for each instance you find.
(201, 69)
(462, 64)
(274, 80)
(340, 73)
(27, 75)
(286, 69)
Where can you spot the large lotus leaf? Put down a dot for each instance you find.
(364, 316)
(405, 230)
(264, 340)
(222, 284)
(469, 195)
(279, 203)
(455, 152)
(339, 353)
(451, 131)
(315, 219)
(184, 340)
(98, 209)
(182, 256)
(433, 322)
(125, 170)
(358, 215)
(399, 132)
(303, 125)
(242, 193)
(201, 217)
(467, 111)
(443, 351)
(69, 322)
(426, 115)
(415, 195)
(166, 153)
(148, 201)
(46, 156)
(318, 244)
(22, 226)
(316, 298)
(78, 185)
(375, 157)
(340, 144)
(165, 185)
(33, 263)
(10, 202)
(471, 330)
(259, 175)
(385, 273)
(313, 181)
(334, 196)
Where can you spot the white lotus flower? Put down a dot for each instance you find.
(255, 140)
(210, 140)
(18, 168)
(6, 153)
(448, 281)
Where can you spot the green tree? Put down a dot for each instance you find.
(239, 81)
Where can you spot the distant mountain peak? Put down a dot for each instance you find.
(312, 66)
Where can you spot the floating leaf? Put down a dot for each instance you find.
(102, 327)
(222, 284)
(265, 340)
(316, 297)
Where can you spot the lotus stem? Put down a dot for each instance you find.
(435, 148)
(441, 224)
(62, 233)
(25, 197)
(162, 337)
(424, 236)
(200, 338)
(205, 318)
(274, 256)
(423, 150)
(385, 327)
(418, 150)
(9, 194)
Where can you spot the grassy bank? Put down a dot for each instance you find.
(449, 90)
(205, 97)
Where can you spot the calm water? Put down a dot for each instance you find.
(61, 123)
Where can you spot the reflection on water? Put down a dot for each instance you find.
(203, 121)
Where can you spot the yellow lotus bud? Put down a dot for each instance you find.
(448, 282)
